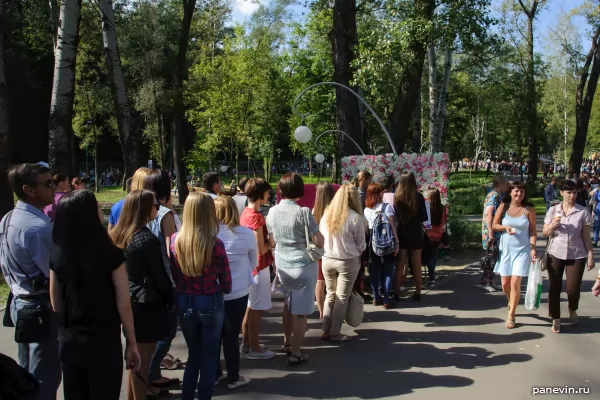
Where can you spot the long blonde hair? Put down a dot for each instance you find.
(323, 197)
(138, 178)
(227, 212)
(136, 213)
(195, 241)
(345, 199)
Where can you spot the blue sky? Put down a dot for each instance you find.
(242, 9)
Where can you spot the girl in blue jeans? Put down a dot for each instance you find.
(201, 274)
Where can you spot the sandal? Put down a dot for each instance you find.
(297, 360)
(171, 363)
(556, 326)
(511, 322)
(287, 349)
(340, 338)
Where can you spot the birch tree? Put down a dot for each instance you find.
(433, 97)
(440, 110)
(127, 129)
(6, 198)
(60, 136)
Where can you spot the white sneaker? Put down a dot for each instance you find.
(246, 349)
(239, 383)
(221, 379)
(490, 289)
(261, 355)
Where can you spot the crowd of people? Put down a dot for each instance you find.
(78, 287)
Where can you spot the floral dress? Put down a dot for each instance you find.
(492, 199)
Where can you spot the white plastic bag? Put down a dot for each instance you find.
(534, 287)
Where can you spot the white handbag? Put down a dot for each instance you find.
(314, 252)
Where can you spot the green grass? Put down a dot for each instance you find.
(110, 194)
(3, 291)
(540, 205)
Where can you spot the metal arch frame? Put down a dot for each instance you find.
(338, 131)
(303, 116)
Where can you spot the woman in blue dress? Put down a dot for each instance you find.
(516, 220)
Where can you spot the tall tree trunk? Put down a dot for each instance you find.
(416, 122)
(583, 105)
(178, 106)
(6, 196)
(344, 40)
(433, 96)
(63, 88)
(440, 119)
(54, 11)
(129, 143)
(531, 101)
(410, 82)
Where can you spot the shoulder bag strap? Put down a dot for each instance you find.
(10, 255)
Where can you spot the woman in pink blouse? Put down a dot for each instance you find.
(567, 225)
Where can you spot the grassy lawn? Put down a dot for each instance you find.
(110, 194)
(539, 204)
(3, 291)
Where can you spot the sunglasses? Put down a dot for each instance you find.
(47, 183)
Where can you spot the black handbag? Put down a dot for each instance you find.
(33, 321)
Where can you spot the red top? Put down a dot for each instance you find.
(252, 219)
(436, 232)
(216, 277)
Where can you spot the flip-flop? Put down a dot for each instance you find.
(343, 338)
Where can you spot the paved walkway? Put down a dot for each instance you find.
(452, 345)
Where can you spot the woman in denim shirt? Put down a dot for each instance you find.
(296, 271)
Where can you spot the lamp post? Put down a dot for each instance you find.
(303, 134)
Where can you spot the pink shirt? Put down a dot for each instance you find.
(567, 242)
(388, 197)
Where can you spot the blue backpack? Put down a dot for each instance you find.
(383, 241)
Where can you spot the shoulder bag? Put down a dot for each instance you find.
(314, 252)
(356, 310)
(544, 257)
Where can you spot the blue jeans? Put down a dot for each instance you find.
(201, 320)
(163, 347)
(234, 316)
(41, 358)
(381, 268)
(432, 260)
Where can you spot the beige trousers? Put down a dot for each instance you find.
(339, 279)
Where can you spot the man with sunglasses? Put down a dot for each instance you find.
(25, 248)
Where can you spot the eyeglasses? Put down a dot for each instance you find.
(49, 183)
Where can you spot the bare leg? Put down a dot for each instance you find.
(515, 295)
(299, 328)
(400, 270)
(506, 287)
(287, 325)
(415, 260)
(320, 295)
(245, 330)
(254, 320)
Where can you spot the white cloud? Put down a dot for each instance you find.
(247, 7)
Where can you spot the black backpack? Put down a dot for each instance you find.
(15, 382)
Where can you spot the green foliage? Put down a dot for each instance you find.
(463, 232)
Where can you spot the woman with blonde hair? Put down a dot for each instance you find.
(410, 213)
(149, 285)
(323, 197)
(242, 253)
(201, 273)
(343, 227)
(137, 183)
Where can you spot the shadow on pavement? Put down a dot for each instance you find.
(429, 320)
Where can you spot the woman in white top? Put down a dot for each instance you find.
(380, 267)
(242, 253)
(343, 227)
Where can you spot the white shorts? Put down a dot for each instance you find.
(260, 294)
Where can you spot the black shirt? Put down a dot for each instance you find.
(89, 313)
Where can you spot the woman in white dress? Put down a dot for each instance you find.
(516, 220)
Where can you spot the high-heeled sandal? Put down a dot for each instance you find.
(511, 323)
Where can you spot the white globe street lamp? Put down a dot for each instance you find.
(319, 158)
(303, 134)
(223, 168)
